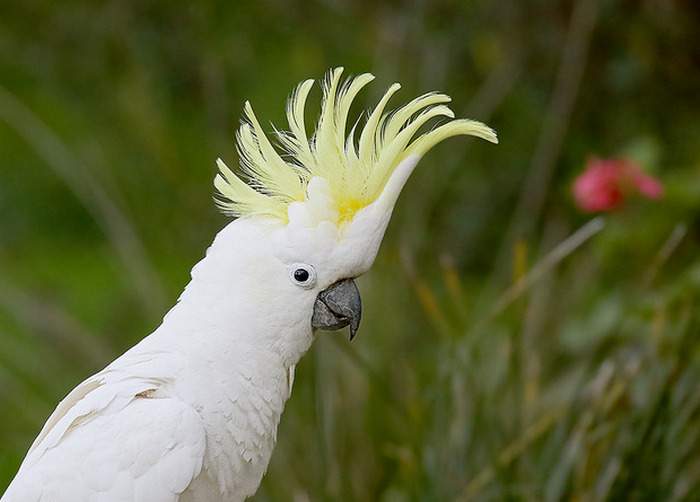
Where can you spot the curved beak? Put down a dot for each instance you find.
(338, 306)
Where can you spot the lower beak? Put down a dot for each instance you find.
(338, 306)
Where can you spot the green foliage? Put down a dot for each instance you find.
(489, 366)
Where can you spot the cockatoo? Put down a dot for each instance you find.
(190, 413)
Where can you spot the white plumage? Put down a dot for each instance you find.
(190, 414)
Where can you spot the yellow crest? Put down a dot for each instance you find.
(355, 169)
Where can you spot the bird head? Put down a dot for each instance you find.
(312, 211)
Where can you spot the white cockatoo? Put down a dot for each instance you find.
(190, 413)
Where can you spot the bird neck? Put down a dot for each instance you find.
(239, 388)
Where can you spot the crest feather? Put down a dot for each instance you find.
(355, 172)
(296, 142)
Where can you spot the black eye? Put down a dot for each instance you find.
(301, 275)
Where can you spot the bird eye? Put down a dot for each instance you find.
(302, 275)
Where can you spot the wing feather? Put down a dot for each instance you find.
(123, 440)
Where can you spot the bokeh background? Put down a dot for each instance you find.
(514, 347)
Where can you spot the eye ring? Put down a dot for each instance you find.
(303, 275)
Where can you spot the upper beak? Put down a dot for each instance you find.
(338, 306)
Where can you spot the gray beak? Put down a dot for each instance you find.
(338, 306)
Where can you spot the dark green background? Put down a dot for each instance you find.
(584, 386)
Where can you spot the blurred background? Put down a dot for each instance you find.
(521, 341)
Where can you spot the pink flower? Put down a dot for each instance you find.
(605, 184)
